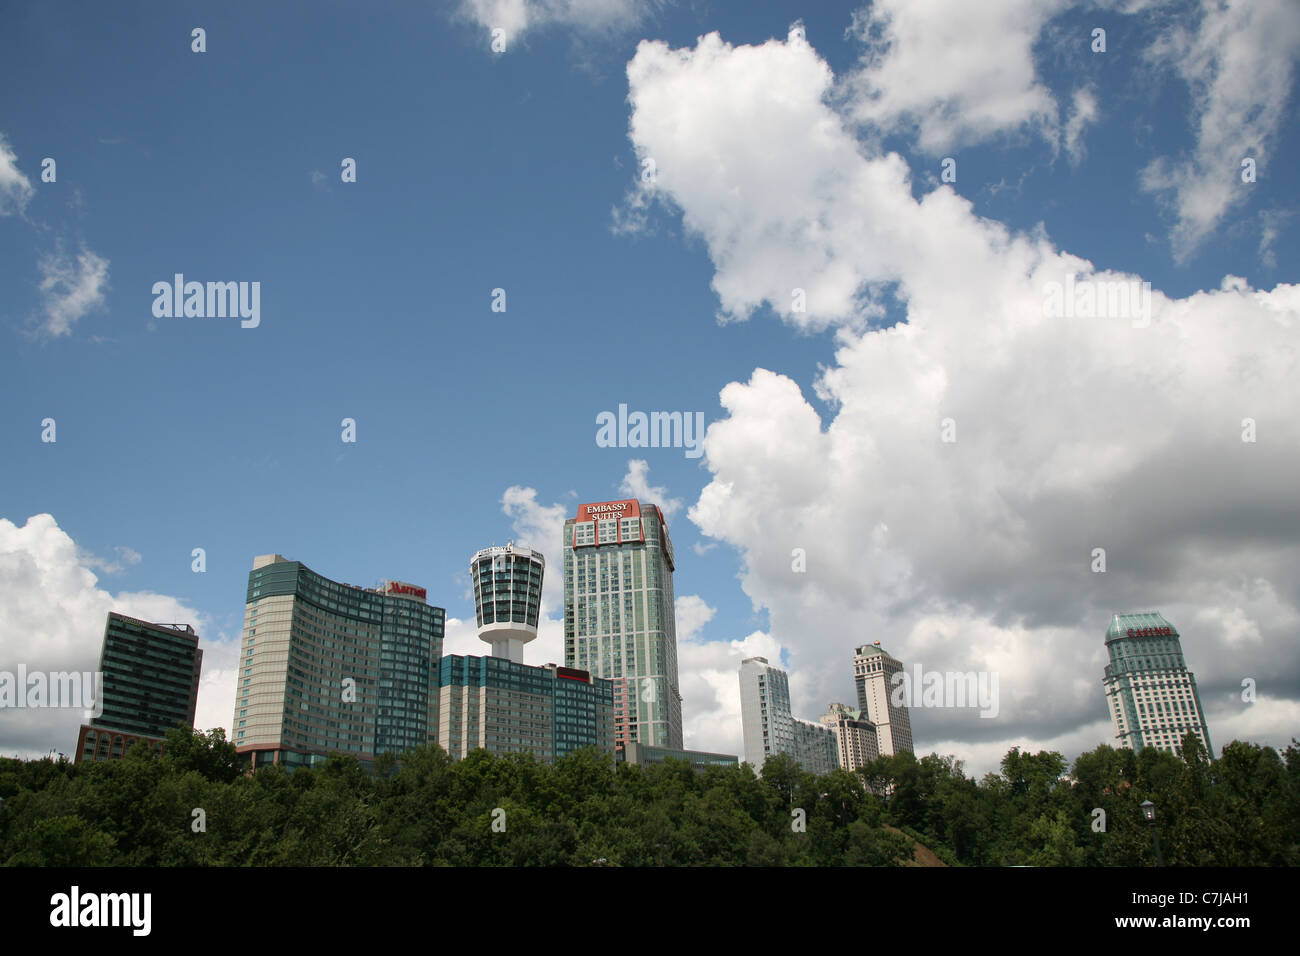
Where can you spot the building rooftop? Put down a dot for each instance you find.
(1153, 623)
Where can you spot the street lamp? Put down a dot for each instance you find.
(1149, 811)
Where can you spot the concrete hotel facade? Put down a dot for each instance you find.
(770, 728)
(873, 672)
(1150, 693)
(854, 734)
(619, 615)
(329, 667)
(150, 684)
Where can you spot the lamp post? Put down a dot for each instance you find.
(1149, 811)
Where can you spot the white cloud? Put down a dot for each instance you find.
(540, 527)
(1084, 112)
(15, 188)
(69, 290)
(1239, 63)
(517, 17)
(535, 525)
(1271, 222)
(636, 484)
(710, 688)
(692, 613)
(954, 73)
(1071, 433)
(127, 556)
(54, 618)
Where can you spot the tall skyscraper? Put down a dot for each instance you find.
(873, 671)
(770, 728)
(329, 667)
(507, 597)
(619, 615)
(150, 684)
(855, 735)
(1150, 693)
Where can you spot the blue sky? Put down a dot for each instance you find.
(521, 170)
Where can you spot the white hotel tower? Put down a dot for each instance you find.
(507, 597)
(873, 671)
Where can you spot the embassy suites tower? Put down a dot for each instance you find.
(619, 617)
(328, 667)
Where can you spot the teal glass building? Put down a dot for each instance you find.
(150, 684)
(1150, 693)
(620, 615)
(502, 706)
(329, 668)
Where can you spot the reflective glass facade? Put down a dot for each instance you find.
(328, 667)
(1150, 693)
(619, 614)
(150, 685)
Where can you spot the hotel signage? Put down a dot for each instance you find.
(397, 587)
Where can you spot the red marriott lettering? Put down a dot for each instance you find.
(396, 587)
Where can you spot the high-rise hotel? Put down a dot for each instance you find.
(150, 684)
(619, 616)
(873, 671)
(328, 667)
(1150, 693)
(770, 728)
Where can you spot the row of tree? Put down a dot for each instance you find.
(196, 806)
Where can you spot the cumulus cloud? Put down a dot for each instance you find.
(951, 73)
(70, 288)
(1239, 63)
(517, 17)
(54, 621)
(535, 525)
(1119, 430)
(636, 484)
(540, 527)
(692, 613)
(15, 188)
(710, 688)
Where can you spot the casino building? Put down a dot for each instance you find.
(1150, 693)
(619, 615)
(328, 667)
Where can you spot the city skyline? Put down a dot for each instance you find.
(962, 354)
